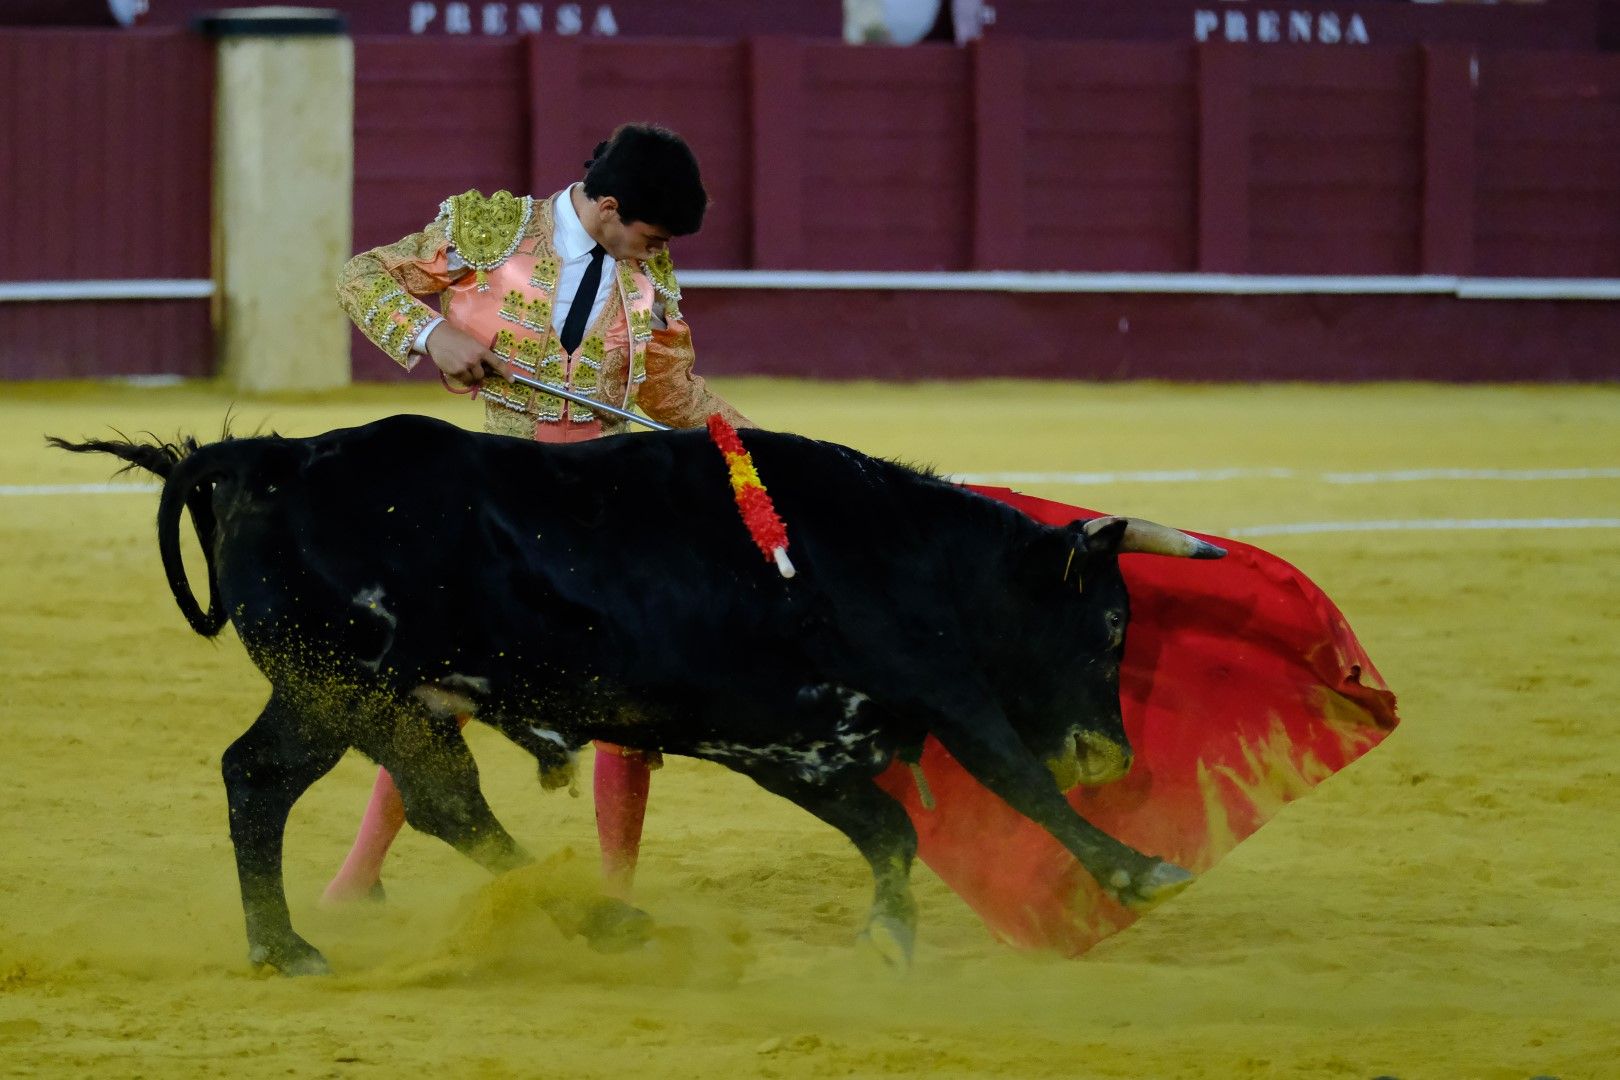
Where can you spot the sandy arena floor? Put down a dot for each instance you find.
(1445, 909)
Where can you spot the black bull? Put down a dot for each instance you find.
(388, 577)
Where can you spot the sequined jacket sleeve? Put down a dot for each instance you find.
(378, 288)
(673, 394)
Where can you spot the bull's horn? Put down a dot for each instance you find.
(1151, 538)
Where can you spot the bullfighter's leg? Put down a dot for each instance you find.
(620, 780)
(266, 770)
(882, 832)
(360, 876)
(986, 745)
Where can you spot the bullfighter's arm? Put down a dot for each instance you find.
(377, 288)
(673, 394)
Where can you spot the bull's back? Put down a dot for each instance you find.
(624, 550)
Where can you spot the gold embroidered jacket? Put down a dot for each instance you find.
(493, 265)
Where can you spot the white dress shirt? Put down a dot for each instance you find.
(573, 246)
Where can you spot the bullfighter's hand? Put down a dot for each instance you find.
(463, 358)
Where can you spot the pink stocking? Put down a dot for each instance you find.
(361, 874)
(621, 780)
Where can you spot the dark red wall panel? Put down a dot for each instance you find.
(886, 180)
(105, 338)
(1110, 163)
(1548, 153)
(108, 138)
(1034, 155)
(433, 119)
(1014, 154)
(107, 141)
(1215, 338)
(1336, 162)
(695, 90)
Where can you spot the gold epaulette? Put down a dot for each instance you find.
(661, 271)
(486, 231)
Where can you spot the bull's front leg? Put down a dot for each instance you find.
(986, 745)
(882, 832)
(266, 770)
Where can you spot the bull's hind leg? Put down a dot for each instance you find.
(438, 782)
(882, 832)
(266, 770)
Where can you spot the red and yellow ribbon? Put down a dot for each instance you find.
(758, 512)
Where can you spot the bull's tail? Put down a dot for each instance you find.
(155, 457)
(189, 472)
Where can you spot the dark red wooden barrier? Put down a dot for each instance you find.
(1037, 156)
(1173, 336)
(1105, 168)
(1547, 198)
(107, 141)
(1008, 155)
(1080, 156)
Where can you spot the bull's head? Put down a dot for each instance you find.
(1067, 706)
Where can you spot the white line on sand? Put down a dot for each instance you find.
(1078, 479)
(1298, 528)
(1205, 476)
(1301, 528)
(77, 489)
(1402, 476)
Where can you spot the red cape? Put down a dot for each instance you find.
(1242, 689)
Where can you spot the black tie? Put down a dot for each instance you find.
(579, 312)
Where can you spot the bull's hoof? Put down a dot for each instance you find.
(293, 957)
(612, 926)
(890, 938)
(1149, 888)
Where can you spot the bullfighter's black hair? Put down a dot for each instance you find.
(653, 174)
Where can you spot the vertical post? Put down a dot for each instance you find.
(1223, 157)
(998, 154)
(283, 195)
(777, 111)
(553, 73)
(1450, 74)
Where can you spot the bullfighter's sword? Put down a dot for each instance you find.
(580, 399)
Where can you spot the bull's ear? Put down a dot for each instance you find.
(1057, 553)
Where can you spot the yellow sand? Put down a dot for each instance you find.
(1447, 908)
